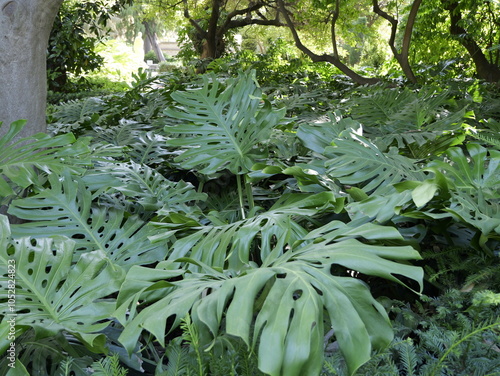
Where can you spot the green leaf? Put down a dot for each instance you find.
(366, 258)
(424, 193)
(66, 209)
(22, 162)
(232, 245)
(226, 126)
(357, 161)
(53, 295)
(473, 183)
(18, 370)
(318, 136)
(152, 190)
(280, 308)
(380, 208)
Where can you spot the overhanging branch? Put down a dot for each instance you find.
(334, 60)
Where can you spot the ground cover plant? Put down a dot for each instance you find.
(247, 224)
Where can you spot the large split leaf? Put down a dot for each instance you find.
(22, 162)
(51, 293)
(357, 161)
(318, 136)
(392, 107)
(473, 180)
(226, 126)
(262, 237)
(281, 308)
(151, 189)
(66, 209)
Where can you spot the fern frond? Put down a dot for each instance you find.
(178, 360)
(491, 139)
(65, 367)
(408, 357)
(479, 329)
(109, 366)
(191, 335)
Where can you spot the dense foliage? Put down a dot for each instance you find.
(78, 29)
(260, 222)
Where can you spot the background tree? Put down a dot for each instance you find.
(476, 32)
(78, 28)
(147, 18)
(24, 33)
(401, 56)
(212, 20)
(458, 38)
(302, 14)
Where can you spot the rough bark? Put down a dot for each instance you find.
(332, 59)
(485, 70)
(24, 33)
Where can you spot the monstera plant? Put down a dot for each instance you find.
(262, 278)
(113, 255)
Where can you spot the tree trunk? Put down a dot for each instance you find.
(212, 37)
(151, 40)
(24, 33)
(147, 43)
(485, 70)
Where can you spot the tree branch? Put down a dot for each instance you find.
(394, 26)
(401, 57)
(239, 12)
(326, 58)
(254, 21)
(191, 20)
(484, 68)
(335, 17)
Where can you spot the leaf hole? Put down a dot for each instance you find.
(75, 292)
(297, 294)
(318, 291)
(338, 270)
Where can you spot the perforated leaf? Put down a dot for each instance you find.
(152, 190)
(52, 293)
(66, 209)
(280, 308)
(397, 106)
(234, 245)
(318, 136)
(474, 181)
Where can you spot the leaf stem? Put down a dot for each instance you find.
(249, 193)
(240, 196)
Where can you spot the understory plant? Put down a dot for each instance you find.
(203, 220)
